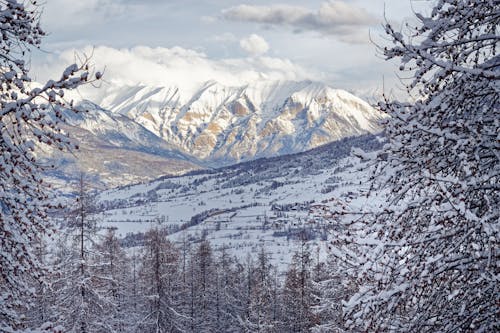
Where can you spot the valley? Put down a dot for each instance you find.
(277, 202)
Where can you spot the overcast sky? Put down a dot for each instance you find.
(320, 40)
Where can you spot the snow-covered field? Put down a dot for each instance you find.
(272, 202)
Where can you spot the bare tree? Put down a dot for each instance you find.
(160, 279)
(82, 303)
(29, 116)
(430, 261)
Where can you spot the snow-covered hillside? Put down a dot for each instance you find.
(267, 201)
(222, 124)
(113, 150)
(138, 133)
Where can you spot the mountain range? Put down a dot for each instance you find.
(137, 133)
(236, 165)
(222, 125)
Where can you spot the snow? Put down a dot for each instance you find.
(242, 202)
(202, 122)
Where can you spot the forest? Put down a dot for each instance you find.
(428, 261)
(99, 286)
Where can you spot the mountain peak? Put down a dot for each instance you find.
(222, 124)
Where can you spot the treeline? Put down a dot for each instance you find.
(95, 285)
(92, 282)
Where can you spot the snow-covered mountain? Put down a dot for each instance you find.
(137, 133)
(113, 150)
(221, 125)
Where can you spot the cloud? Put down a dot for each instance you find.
(332, 18)
(176, 67)
(254, 45)
(71, 16)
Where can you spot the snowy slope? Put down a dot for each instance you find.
(113, 150)
(222, 124)
(267, 201)
(138, 133)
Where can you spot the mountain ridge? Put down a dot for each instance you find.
(223, 125)
(137, 133)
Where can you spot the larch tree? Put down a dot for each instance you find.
(298, 293)
(39, 304)
(263, 317)
(112, 267)
(329, 293)
(429, 261)
(205, 291)
(228, 284)
(81, 302)
(160, 283)
(29, 116)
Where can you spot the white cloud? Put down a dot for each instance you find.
(338, 13)
(333, 17)
(177, 67)
(254, 45)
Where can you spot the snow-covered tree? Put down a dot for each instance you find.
(28, 116)
(132, 302)
(263, 314)
(81, 301)
(160, 281)
(39, 309)
(430, 261)
(112, 267)
(329, 293)
(229, 281)
(203, 285)
(298, 293)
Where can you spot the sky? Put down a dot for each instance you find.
(232, 41)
